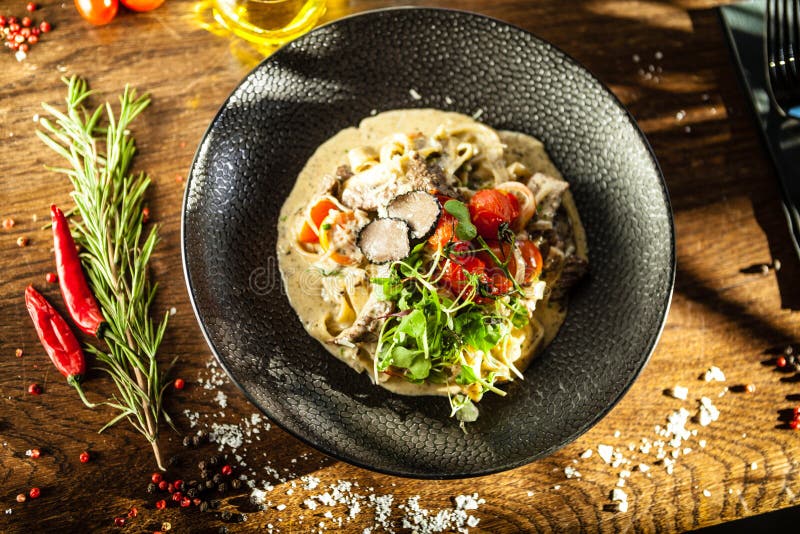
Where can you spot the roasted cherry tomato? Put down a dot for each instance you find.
(498, 281)
(489, 208)
(533, 259)
(317, 213)
(141, 5)
(97, 12)
(444, 233)
(455, 276)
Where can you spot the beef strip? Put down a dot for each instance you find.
(572, 271)
(367, 323)
(548, 192)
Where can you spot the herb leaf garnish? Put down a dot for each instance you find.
(465, 230)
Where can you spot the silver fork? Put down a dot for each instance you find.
(781, 40)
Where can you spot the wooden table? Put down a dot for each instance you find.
(668, 63)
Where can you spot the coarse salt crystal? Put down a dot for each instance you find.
(753, 466)
(414, 94)
(587, 453)
(707, 493)
(557, 487)
(605, 452)
(621, 506)
(678, 392)
(619, 495)
(571, 472)
(257, 496)
(715, 374)
(707, 413)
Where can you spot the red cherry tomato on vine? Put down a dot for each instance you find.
(489, 208)
(141, 5)
(532, 257)
(455, 273)
(499, 283)
(97, 12)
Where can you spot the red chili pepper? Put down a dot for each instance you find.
(57, 339)
(79, 299)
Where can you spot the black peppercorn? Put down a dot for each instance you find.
(187, 440)
(236, 483)
(191, 493)
(191, 483)
(238, 518)
(223, 530)
(201, 466)
(222, 488)
(209, 484)
(204, 474)
(217, 478)
(226, 515)
(202, 434)
(214, 504)
(196, 441)
(214, 460)
(204, 506)
(173, 461)
(151, 488)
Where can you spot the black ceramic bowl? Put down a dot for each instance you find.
(333, 77)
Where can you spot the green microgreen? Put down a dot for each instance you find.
(429, 337)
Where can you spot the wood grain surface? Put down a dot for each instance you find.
(725, 312)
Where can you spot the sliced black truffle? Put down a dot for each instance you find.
(419, 209)
(384, 240)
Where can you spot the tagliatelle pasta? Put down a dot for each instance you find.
(432, 252)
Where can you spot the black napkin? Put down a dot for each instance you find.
(744, 27)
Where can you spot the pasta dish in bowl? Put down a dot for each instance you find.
(432, 252)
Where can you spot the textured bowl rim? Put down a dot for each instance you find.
(342, 455)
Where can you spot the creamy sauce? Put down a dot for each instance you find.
(304, 284)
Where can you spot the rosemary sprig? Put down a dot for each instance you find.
(108, 203)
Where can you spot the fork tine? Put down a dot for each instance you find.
(769, 43)
(794, 40)
(788, 29)
(780, 40)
